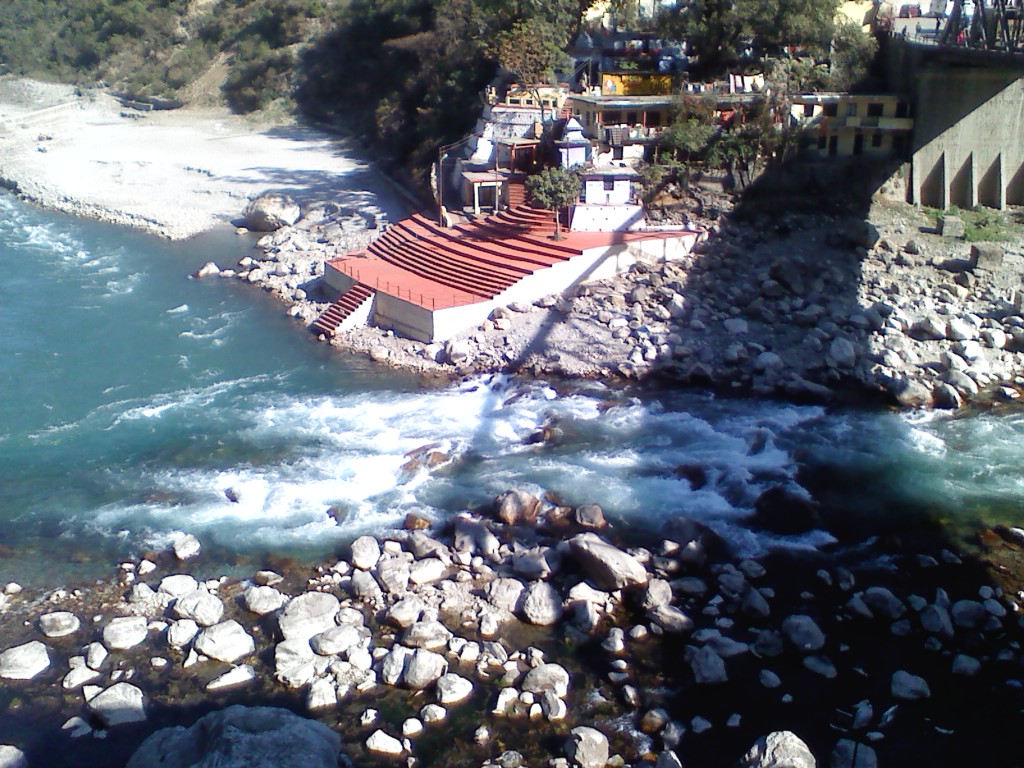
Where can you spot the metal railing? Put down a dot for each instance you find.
(416, 297)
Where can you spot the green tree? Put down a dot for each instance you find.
(531, 50)
(555, 189)
(853, 52)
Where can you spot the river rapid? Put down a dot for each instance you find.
(138, 405)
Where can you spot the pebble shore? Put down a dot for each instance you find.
(530, 634)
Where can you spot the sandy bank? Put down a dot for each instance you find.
(174, 173)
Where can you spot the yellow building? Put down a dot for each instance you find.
(849, 125)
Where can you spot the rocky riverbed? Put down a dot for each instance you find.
(807, 307)
(527, 633)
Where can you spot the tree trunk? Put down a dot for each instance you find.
(558, 224)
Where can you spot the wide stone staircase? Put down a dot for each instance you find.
(343, 308)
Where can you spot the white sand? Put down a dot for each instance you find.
(174, 173)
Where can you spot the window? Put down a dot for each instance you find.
(851, 109)
(617, 153)
(821, 142)
(609, 184)
(631, 118)
(831, 110)
(808, 110)
(876, 139)
(654, 119)
(875, 110)
(613, 117)
(902, 109)
(858, 144)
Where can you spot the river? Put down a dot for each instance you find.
(139, 405)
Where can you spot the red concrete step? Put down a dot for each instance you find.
(486, 244)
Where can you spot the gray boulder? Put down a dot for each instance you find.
(542, 605)
(517, 507)
(262, 600)
(423, 668)
(587, 747)
(204, 608)
(271, 211)
(119, 704)
(125, 632)
(365, 552)
(547, 677)
(59, 623)
(779, 749)
(242, 737)
(308, 615)
(23, 662)
(909, 687)
(227, 642)
(853, 754)
(12, 757)
(608, 566)
(802, 632)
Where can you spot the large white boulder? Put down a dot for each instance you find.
(203, 607)
(59, 623)
(605, 564)
(308, 615)
(778, 749)
(120, 703)
(271, 211)
(125, 632)
(12, 757)
(227, 642)
(23, 662)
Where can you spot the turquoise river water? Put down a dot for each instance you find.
(134, 398)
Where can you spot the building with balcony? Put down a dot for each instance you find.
(851, 125)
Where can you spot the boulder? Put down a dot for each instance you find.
(517, 507)
(177, 585)
(204, 608)
(547, 677)
(242, 737)
(423, 668)
(587, 747)
(987, 256)
(119, 704)
(590, 516)
(505, 593)
(24, 662)
(337, 640)
(671, 619)
(365, 552)
(782, 510)
(780, 749)
(432, 635)
(452, 688)
(952, 226)
(909, 687)
(406, 611)
(605, 564)
(271, 211)
(802, 632)
(233, 678)
(227, 642)
(384, 744)
(181, 632)
(209, 269)
(853, 754)
(427, 571)
(457, 352)
(12, 757)
(307, 615)
(59, 624)
(541, 604)
(263, 600)
(708, 667)
(187, 547)
(294, 662)
(125, 632)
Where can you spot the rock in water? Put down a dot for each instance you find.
(120, 703)
(242, 737)
(271, 211)
(587, 747)
(608, 566)
(24, 662)
(12, 757)
(778, 749)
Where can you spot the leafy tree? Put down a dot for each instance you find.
(555, 189)
(531, 50)
(853, 51)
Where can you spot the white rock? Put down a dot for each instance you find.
(59, 624)
(802, 632)
(77, 727)
(294, 662)
(607, 566)
(452, 688)
(204, 608)
(365, 552)
(778, 749)
(95, 655)
(547, 677)
(12, 757)
(227, 642)
(263, 600)
(322, 695)
(24, 662)
(178, 584)
(423, 668)
(587, 747)
(405, 612)
(233, 678)
(383, 744)
(125, 632)
(181, 633)
(433, 713)
(120, 703)
(412, 727)
(79, 676)
(337, 640)
(541, 604)
(307, 615)
(427, 571)
(187, 547)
